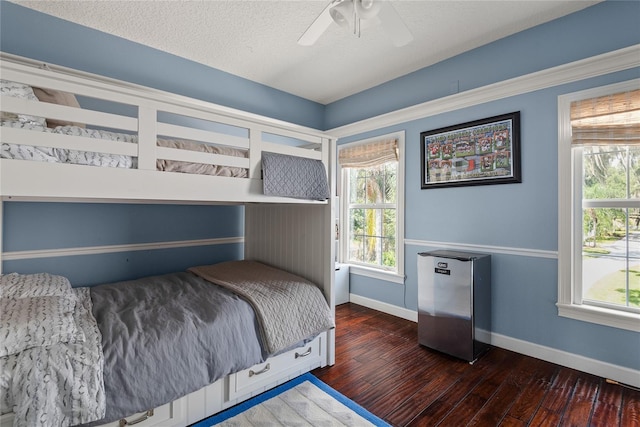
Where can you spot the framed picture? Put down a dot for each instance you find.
(481, 152)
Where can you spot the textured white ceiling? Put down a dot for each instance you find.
(257, 40)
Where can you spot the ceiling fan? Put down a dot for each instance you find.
(356, 15)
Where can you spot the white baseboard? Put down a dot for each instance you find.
(394, 310)
(592, 366)
(596, 367)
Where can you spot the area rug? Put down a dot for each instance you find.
(302, 401)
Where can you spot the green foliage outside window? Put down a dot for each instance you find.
(372, 215)
(611, 174)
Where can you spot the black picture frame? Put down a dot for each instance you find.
(480, 152)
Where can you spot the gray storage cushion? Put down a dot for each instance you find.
(292, 176)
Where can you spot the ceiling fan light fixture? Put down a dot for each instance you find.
(356, 15)
(366, 9)
(342, 13)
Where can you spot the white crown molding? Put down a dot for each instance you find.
(603, 64)
(97, 250)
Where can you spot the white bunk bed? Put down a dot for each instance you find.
(271, 222)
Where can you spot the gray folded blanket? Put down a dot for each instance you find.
(288, 307)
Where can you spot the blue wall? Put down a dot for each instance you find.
(519, 216)
(514, 215)
(40, 226)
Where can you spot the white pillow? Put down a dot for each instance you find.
(16, 285)
(22, 91)
(38, 321)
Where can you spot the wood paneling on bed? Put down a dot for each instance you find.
(289, 237)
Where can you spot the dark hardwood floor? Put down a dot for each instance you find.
(380, 365)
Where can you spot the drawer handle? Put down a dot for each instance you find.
(266, 369)
(305, 354)
(141, 418)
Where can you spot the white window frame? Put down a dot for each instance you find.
(370, 271)
(570, 220)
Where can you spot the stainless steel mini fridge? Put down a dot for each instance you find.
(454, 302)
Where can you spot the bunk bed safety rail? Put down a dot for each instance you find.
(130, 126)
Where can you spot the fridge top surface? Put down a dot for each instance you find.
(459, 255)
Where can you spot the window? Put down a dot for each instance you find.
(599, 204)
(372, 198)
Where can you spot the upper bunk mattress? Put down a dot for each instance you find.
(91, 158)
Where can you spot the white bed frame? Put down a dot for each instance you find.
(272, 224)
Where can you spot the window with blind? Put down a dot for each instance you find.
(372, 200)
(599, 198)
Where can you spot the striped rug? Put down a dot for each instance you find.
(304, 401)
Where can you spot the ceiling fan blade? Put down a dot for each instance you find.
(393, 25)
(317, 27)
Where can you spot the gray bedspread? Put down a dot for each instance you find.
(289, 308)
(167, 336)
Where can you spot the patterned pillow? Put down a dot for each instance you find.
(32, 322)
(7, 368)
(23, 91)
(16, 285)
(53, 96)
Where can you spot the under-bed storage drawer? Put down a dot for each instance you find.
(275, 368)
(170, 415)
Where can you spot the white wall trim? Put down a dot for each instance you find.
(400, 208)
(535, 253)
(394, 310)
(570, 360)
(601, 316)
(570, 205)
(96, 250)
(373, 273)
(610, 62)
(559, 357)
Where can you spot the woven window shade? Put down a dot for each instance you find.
(607, 120)
(370, 154)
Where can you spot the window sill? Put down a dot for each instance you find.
(601, 316)
(374, 273)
